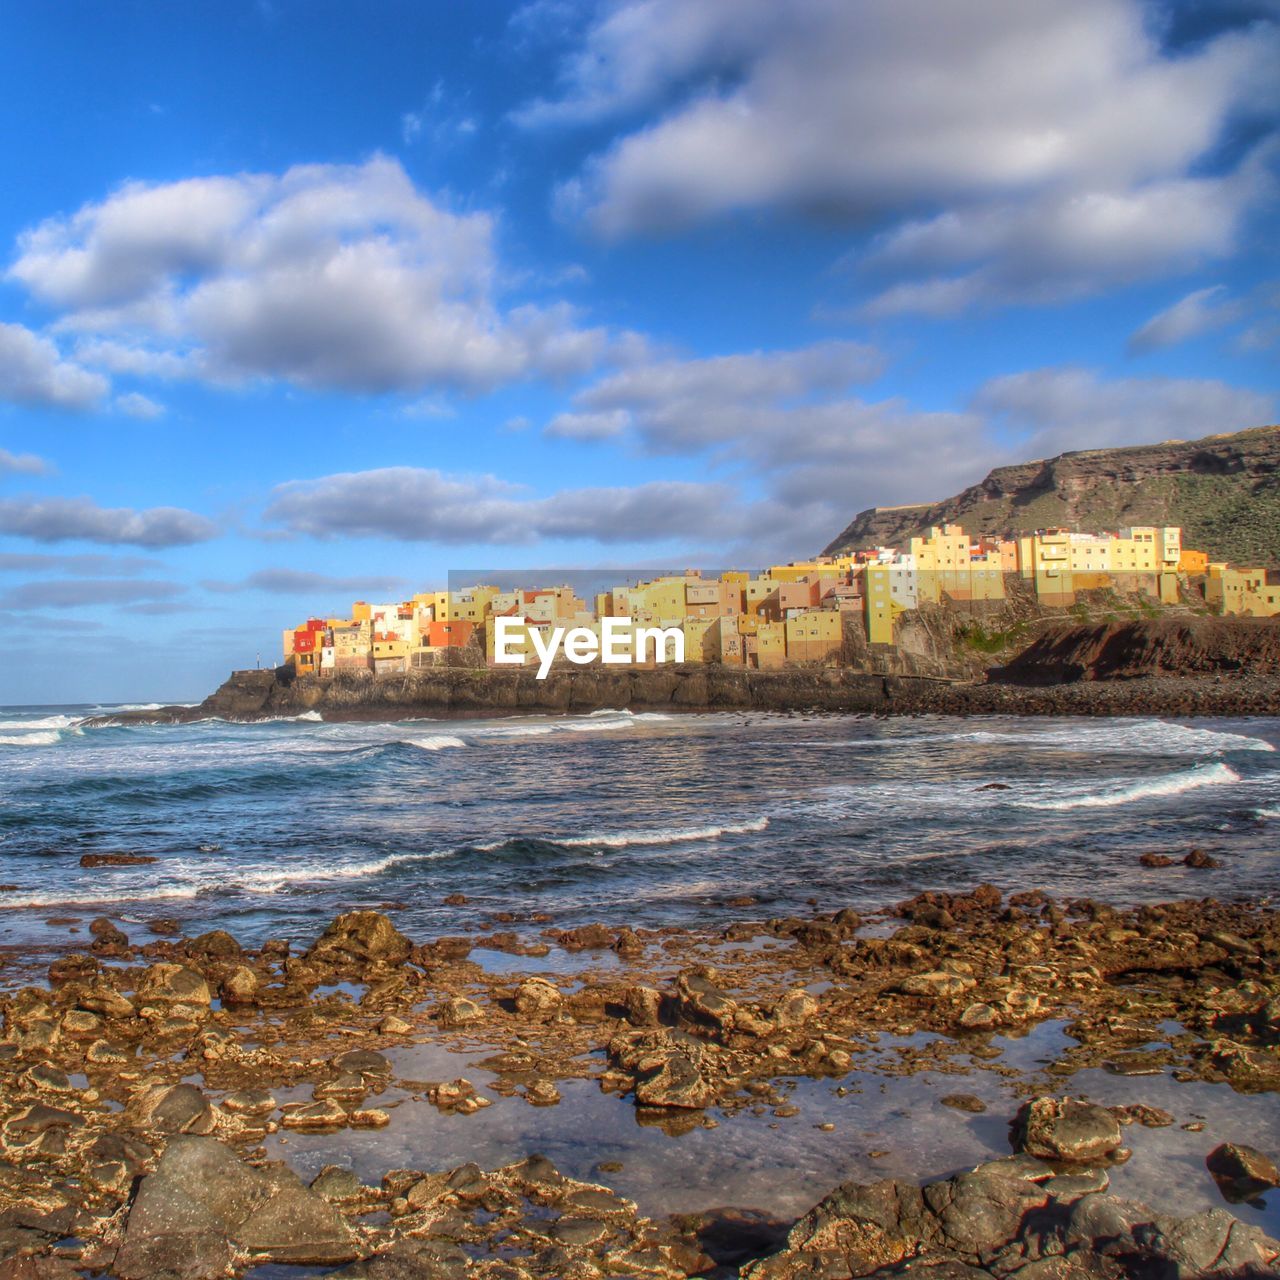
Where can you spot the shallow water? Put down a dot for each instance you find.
(272, 828)
(781, 1166)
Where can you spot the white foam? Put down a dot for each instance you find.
(664, 835)
(44, 738)
(436, 742)
(43, 722)
(1174, 784)
(597, 726)
(520, 731)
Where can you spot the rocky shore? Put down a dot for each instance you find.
(148, 1089)
(461, 694)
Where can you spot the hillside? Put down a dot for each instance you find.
(1224, 490)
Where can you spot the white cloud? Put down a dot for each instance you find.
(23, 464)
(1199, 312)
(80, 519)
(417, 504)
(33, 372)
(1027, 140)
(1049, 411)
(327, 276)
(136, 405)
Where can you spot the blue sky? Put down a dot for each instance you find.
(307, 301)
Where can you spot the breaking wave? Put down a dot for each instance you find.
(42, 738)
(664, 835)
(436, 742)
(1174, 784)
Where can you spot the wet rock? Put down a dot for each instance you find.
(587, 937)
(542, 1093)
(1200, 861)
(249, 1102)
(536, 997)
(318, 1116)
(459, 1012)
(937, 984)
(115, 860)
(72, 968)
(978, 1017)
(700, 1003)
(359, 939)
(643, 1006)
(179, 1108)
(202, 1209)
(367, 1063)
(964, 1102)
(672, 1079)
(173, 984)
(794, 1009)
(1156, 860)
(337, 1184)
(1241, 1172)
(412, 1260)
(457, 1096)
(239, 988)
(1067, 1129)
(217, 944)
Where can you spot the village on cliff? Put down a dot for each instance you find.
(786, 614)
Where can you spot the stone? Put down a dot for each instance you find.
(249, 1102)
(367, 1063)
(643, 1006)
(217, 944)
(179, 1108)
(165, 984)
(203, 1208)
(1241, 1172)
(115, 860)
(978, 1017)
(794, 1009)
(1200, 861)
(964, 1102)
(239, 987)
(675, 1082)
(358, 939)
(1067, 1129)
(338, 1184)
(459, 1012)
(325, 1114)
(936, 984)
(536, 997)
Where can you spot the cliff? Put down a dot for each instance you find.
(1223, 490)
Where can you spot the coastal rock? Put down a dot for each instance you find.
(179, 1108)
(1242, 1172)
(674, 1081)
(643, 1006)
(459, 1012)
(115, 859)
(936, 985)
(202, 1209)
(536, 997)
(239, 987)
(173, 984)
(1067, 1129)
(358, 939)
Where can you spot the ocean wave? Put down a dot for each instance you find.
(1174, 784)
(518, 731)
(43, 722)
(436, 742)
(42, 738)
(664, 835)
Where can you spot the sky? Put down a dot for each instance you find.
(305, 301)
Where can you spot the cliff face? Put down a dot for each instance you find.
(1151, 648)
(1224, 491)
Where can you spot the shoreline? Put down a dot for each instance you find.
(463, 695)
(142, 1071)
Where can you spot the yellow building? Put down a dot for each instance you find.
(815, 636)
(882, 609)
(947, 564)
(771, 644)
(696, 643)
(1193, 563)
(1252, 592)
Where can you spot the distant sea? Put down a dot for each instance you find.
(271, 829)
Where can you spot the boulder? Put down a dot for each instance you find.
(1067, 1129)
(166, 984)
(203, 1210)
(937, 984)
(359, 939)
(536, 997)
(1241, 1172)
(179, 1108)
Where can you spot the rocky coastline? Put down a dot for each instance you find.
(254, 695)
(149, 1085)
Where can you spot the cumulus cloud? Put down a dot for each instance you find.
(70, 593)
(1052, 410)
(326, 276)
(299, 582)
(22, 464)
(81, 519)
(418, 504)
(986, 134)
(34, 373)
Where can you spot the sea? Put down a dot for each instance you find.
(270, 829)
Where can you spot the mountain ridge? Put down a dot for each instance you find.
(1222, 489)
